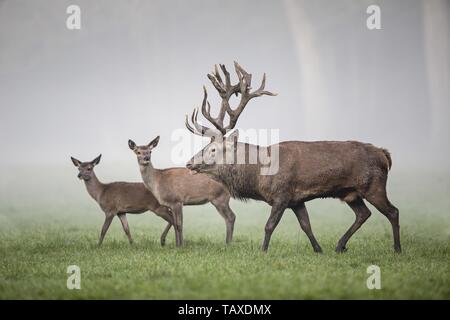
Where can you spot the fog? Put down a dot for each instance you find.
(135, 68)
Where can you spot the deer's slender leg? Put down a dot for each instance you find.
(177, 211)
(124, 221)
(362, 214)
(164, 234)
(303, 218)
(379, 200)
(105, 227)
(275, 217)
(166, 214)
(223, 207)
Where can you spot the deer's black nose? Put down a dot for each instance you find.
(189, 165)
(147, 158)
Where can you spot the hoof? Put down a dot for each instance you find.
(341, 249)
(318, 250)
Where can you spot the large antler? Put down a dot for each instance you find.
(198, 128)
(226, 90)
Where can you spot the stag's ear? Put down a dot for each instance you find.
(233, 138)
(96, 161)
(76, 162)
(131, 144)
(154, 142)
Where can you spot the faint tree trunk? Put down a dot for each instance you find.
(437, 56)
(315, 103)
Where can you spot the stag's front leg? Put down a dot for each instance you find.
(272, 222)
(303, 218)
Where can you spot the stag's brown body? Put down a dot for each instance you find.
(121, 198)
(350, 170)
(309, 170)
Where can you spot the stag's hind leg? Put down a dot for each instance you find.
(222, 205)
(362, 214)
(378, 198)
(303, 218)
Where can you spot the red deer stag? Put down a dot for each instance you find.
(348, 170)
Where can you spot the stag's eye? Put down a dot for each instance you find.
(213, 150)
(139, 153)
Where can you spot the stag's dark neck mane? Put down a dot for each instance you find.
(241, 179)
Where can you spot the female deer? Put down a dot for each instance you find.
(120, 198)
(176, 187)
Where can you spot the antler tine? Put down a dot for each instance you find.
(226, 74)
(226, 90)
(205, 131)
(261, 90)
(245, 78)
(199, 129)
(217, 74)
(244, 83)
(219, 87)
(188, 126)
(216, 122)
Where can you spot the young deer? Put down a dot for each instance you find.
(351, 171)
(176, 187)
(120, 198)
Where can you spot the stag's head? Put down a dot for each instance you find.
(143, 153)
(222, 150)
(86, 169)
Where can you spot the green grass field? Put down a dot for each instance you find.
(40, 237)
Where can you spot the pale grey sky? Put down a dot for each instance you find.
(137, 67)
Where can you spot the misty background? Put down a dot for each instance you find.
(137, 67)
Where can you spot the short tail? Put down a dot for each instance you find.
(388, 157)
